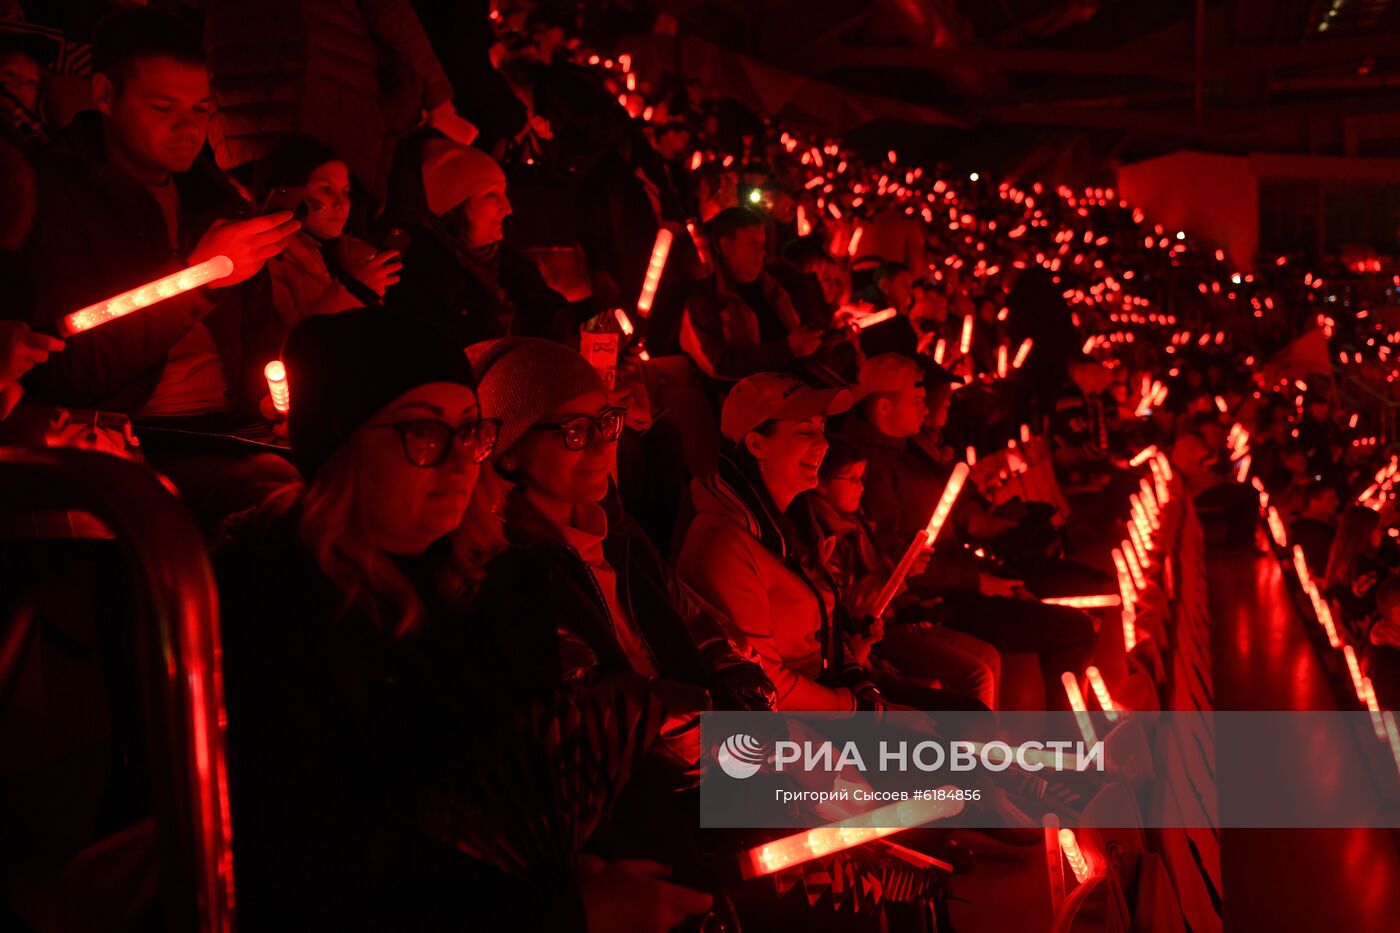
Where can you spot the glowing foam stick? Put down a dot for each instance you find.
(1142, 456)
(1102, 601)
(1076, 703)
(1166, 464)
(1054, 861)
(1079, 863)
(1300, 567)
(1022, 353)
(1276, 528)
(940, 349)
(1242, 470)
(1138, 552)
(654, 269)
(1392, 735)
(1149, 498)
(1354, 669)
(965, 343)
(143, 297)
(971, 456)
(1370, 700)
(695, 159)
(624, 322)
(1134, 567)
(873, 318)
(804, 226)
(1101, 691)
(701, 248)
(924, 539)
(798, 848)
(1002, 363)
(855, 241)
(276, 374)
(1324, 616)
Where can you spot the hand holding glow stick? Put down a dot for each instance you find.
(276, 374)
(146, 295)
(655, 267)
(923, 540)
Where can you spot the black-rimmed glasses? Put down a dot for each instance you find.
(426, 442)
(578, 431)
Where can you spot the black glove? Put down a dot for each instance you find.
(742, 686)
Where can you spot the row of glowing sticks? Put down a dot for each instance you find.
(1383, 722)
(799, 848)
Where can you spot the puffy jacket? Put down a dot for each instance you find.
(771, 607)
(354, 73)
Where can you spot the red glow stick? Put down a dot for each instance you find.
(1375, 708)
(1142, 456)
(1021, 354)
(873, 318)
(798, 848)
(659, 252)
(1276, 528)
(965, 344)
(1096, 681)
(146, 295)
(1079, 863)
(923, 540)
(1002, 364)
(804, 226)
(701, 249)
(624, 322)
(1134, 567)
(1076, 703)
(276, 375)
(1054, 861)
(940, 349)
(855, 241)
(1392, 734)
(1102, 601)
(1354, 669)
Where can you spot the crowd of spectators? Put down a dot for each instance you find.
(532, 465)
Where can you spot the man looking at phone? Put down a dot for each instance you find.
(126, 198)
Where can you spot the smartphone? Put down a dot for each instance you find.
(283, 199)
(397, 239)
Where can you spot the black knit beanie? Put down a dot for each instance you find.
(342, 369)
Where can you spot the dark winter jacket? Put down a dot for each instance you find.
(99, 233)
(382, 782)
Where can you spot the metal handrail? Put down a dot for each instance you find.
(177, 649)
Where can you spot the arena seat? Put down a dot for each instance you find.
(111, 711)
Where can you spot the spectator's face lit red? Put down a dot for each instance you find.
(19, 75)
(744, 253)
(407, 507)
(905, 410)
(327, 200)
(485, 214)
(789, 456)
(833, 285)
(159, 116)
(844, 489)
(552, 470)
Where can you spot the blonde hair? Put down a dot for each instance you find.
(334, 518)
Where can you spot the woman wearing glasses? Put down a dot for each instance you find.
(367, 784)
(580, 591)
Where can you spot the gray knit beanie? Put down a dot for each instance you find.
(520, 380)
